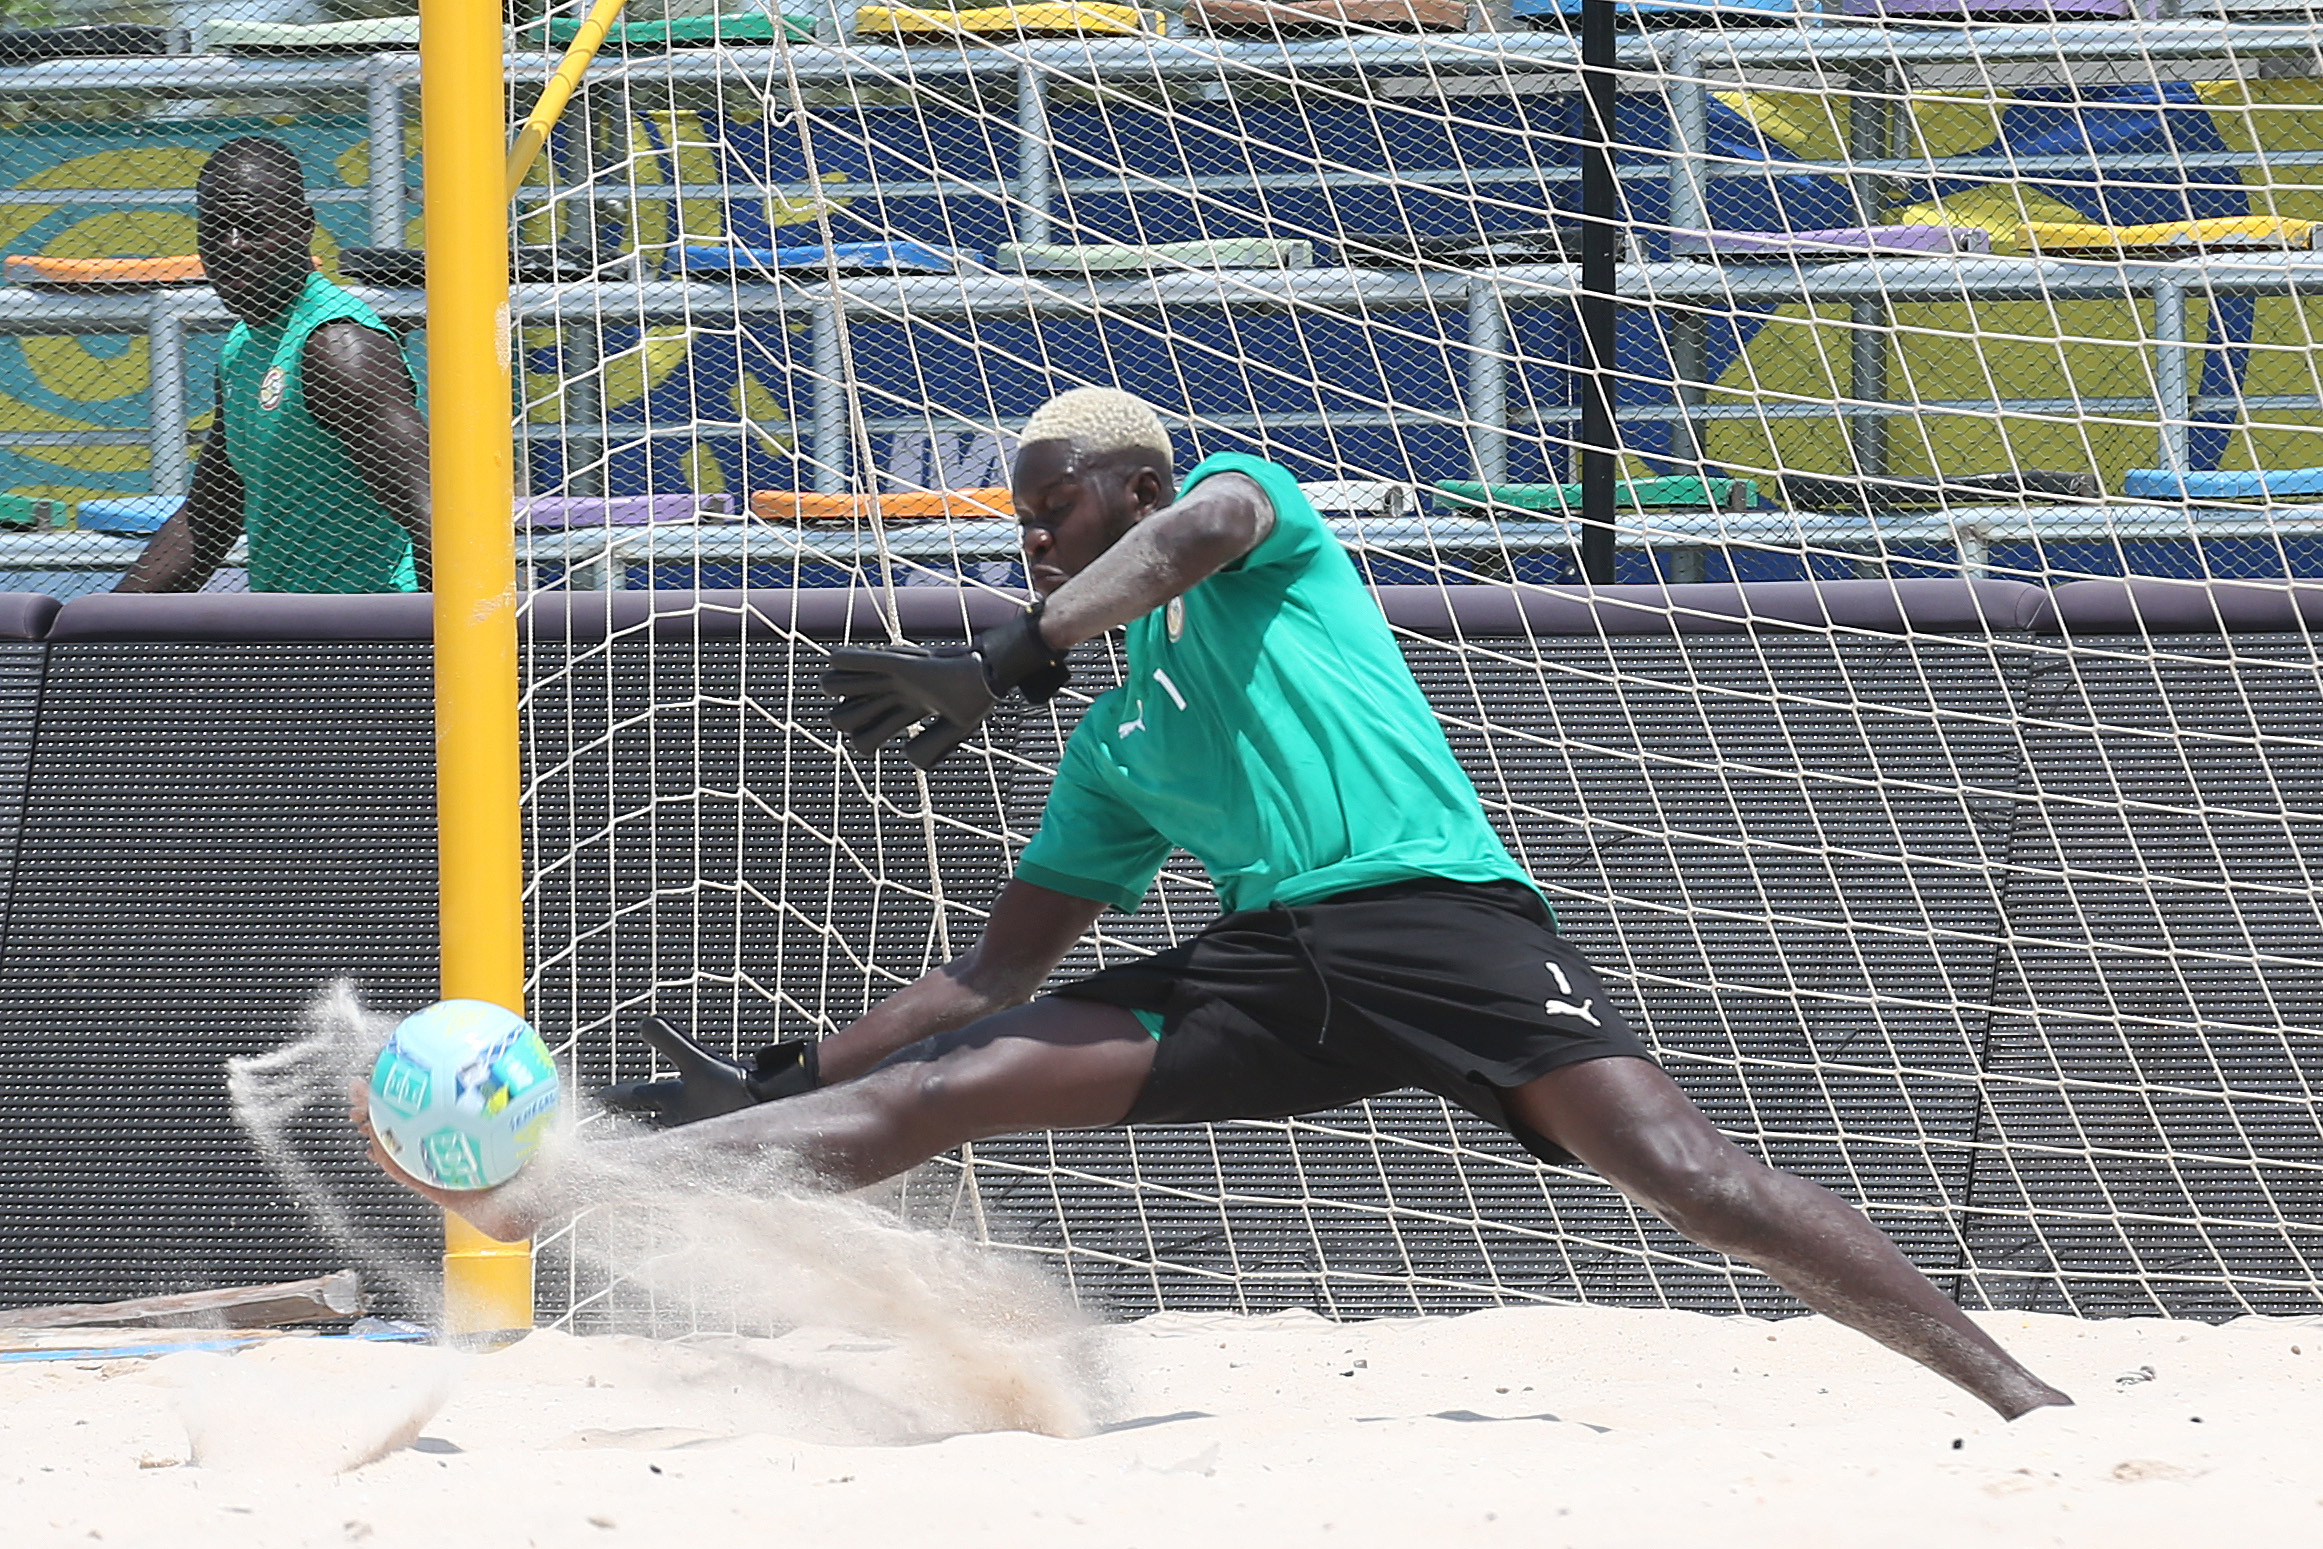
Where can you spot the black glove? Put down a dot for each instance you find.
(881, 691)
(707, 1084)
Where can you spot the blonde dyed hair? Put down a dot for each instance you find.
(1096, 421)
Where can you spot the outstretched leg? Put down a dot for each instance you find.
(1629, 1121)
(1053, 1064)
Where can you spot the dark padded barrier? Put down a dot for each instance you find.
(1943, 607)
(927, 612)
(245, 616)
(26, 615)
(2153, 605)
(1861, 829)
(2126, 1022)
(212, 832)
(941, 612)
(656, 765)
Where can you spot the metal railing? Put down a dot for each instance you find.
(1691, 295)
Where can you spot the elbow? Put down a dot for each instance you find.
(1207, 538)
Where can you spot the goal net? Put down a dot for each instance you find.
(1973, 883)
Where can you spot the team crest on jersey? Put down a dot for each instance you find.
(270, 389)
(1174, 617)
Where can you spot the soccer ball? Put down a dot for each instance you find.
(462, 1094)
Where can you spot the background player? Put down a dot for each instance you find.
(1378, 934)
(319, 451)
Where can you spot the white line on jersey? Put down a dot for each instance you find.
(1163, 679)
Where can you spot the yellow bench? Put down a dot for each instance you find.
(2222, 234)
(1067, 20)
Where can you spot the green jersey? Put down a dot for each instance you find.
(313, 523)
(1270, 727)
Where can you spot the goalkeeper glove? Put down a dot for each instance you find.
(883, 690)
(707, 1084)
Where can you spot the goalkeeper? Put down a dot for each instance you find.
(1377, 935)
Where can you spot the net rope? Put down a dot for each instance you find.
(1904, 298)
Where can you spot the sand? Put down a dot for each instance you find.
(1536, 1426)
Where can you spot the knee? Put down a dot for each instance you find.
(1710, 1192)
(926, 1084)
(911, 1081)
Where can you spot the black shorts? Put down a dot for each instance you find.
(1463, 989)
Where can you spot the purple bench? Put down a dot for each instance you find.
(2002, 10)
(556, 512)
(824, 613)
(1719, 608)
(943, 612)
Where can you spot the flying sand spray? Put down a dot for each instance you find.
(752, 1248)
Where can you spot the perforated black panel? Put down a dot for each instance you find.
(1791, 855)
(20, 672)
(2157, 1060)
(212, 832)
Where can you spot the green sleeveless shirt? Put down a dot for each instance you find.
(1270, 727)
(314, 525)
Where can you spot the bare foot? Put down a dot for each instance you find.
(2049, 1398)
(503, 1213)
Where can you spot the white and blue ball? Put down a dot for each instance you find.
(463, 1094)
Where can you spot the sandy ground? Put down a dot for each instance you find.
(1533, 1426)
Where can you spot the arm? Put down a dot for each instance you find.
(1163, 556)
(882, 691)
(1030, 931)
(192, 544)
(358, 388)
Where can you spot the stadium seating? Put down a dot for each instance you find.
(1831, 244)
(1131, 258)
(126, 513)
(2252, 486)
(1678, 492)
(806, 261)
